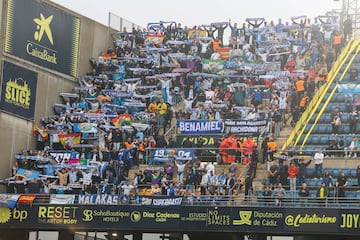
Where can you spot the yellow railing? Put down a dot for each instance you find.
(330, 97)
(317, 98)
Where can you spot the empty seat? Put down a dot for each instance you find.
(324, 139)
(352, 173)
(310, 172)
(335, 172)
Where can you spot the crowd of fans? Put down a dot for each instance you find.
(150, 77)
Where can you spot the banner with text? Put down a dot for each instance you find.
(18, 91)
(199, 126)
(43, 35)
(208, 140)
(245, 127)
(160, 201)
(165, 154)
(166, 217)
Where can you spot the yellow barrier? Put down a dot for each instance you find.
(317, 98)
(329, 98)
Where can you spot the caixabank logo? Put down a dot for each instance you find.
(43, 35)
(36, 49)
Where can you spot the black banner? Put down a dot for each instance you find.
(210, 140)
(18, 91)
(245, 127)
(43, 35)
(268, 220)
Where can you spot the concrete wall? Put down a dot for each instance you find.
(15, 133)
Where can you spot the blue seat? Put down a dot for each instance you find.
(345, 117)
(344, 128)
(311, 182)
(346, 171)
(335, 172)
(309, 172)
(353, 182)
(350, 194)
(323, 129)
(352, 173)
(324, 139)
(314, 139)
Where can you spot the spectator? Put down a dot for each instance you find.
(304, 194)
(322, 193)
(293, 172)
(351, 150)
(337, 43)
(267, 194)
(358, 174)
(221, 180)
(229, 184)
(127, 189)
(341, 147)
(341, 185)
(180, 170)
(204, 182)
(302, 169)
(353, 122)
(327, 180)
(273, 173)
(347, 28)
(319, 159)
(212, 182)
(284, 175)
(279, 195)
(336, 123)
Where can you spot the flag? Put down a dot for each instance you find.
(26, 198)
(141, 127)
(42, 132)
(62, 199)
(8, 200)
(84, 128)
(349, 88)
(69, 140)
(212, 66)
(27, 174)
(224, 53)
(120, 119)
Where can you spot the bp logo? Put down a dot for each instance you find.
(135, 216)
(5, 215)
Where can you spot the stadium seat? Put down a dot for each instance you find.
(310, 172)
(335, 172)
(352, 173)
(315, 139)
(324, 139)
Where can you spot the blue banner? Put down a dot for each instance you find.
(160, 201)
(27, 174)
(199, 126)
(18, 91)
(99, 199)
(165, 154)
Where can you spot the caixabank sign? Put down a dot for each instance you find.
(184, 218)
(43, 35)
(18, 91)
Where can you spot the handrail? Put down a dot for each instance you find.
(330, 97)
(253, 198)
